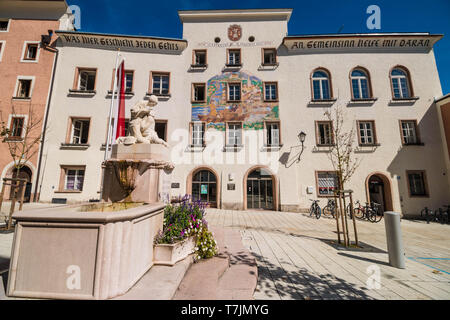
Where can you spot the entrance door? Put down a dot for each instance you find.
(204, 187)
(376, 191)
(260, 190)
(24, 173)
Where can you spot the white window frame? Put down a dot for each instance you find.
(9, 25)
(79, 78)
(234, 134)
(274, 52)
(233, 53)
(229, 91)
(366, 130)
(160, 89)
(198, 135)
(270, 133)
(72, 133)
(32, 78)
(66, 175)
(25, 121)
(321, 81)
(398, 78)
(274, 90)
(24, 51)
(2, 48)
(414, 131)
(358, 79)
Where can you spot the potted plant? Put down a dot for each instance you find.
(185, 231)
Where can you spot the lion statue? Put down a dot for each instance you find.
(142, 124)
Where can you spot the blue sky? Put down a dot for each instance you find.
(160, 18)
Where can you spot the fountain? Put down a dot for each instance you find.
(100, 250)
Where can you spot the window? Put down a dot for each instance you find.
(269, 57)
(31, 51)
(198, 92)
(80, 131)
(273, 134)
(400, 84)
(199, 58)
(4, 25)
(324, 134)
(2, 48)
(417, 183)
(321, 85)
(270, 91)
(73, 178)
(360, 84)
(86, 79)
(234, 92)
(408, 130)
(234, 134)
(129, 75)
(160, 83)
(366, 132)
(234, 57)
(327, 182)
(24, 88)
(161, 129)
(16, 127)
(198, 133)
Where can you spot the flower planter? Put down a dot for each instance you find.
(169, 254)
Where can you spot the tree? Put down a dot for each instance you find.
(22, 136)
(341, 151)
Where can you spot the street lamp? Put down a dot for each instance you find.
(301, 137)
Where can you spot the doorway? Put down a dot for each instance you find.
(24, 173)
(378, 189)
(204, 187)
(260, 190)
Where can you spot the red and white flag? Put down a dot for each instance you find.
(119, 107)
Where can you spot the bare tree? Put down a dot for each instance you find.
(23, 137)
(341, 151)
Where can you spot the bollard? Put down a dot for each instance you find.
(394, 239)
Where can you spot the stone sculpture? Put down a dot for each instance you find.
(142, 124)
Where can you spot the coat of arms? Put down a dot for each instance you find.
(234, 32)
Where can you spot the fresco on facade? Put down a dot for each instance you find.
(251, 110)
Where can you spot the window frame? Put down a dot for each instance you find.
(159, 73)
(369, 84)
(317, 172)
(194, 84)
(267, 123)
(374, 133)
(194, 51)
(262, 57)
(416, 130)
(228, 64)
(408, 83)
(2, 48)
(9, 25)
(317, 123)
(132, 84)
(228, 91)
(19, 78)
(70, 131)
(276, 91)
(425, 183)
(63, 178)
(76, 81)
(227, 131)
(11, 123)
(26, 44)
(330, 85)
(191, 133)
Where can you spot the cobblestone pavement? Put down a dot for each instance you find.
(298, 257)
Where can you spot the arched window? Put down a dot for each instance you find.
(401, 87)
(360, 84)
(204, 187)
(321, 85)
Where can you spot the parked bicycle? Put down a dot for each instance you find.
(330, 208)
(428, 214)
(315, 209)
(370, 212)
(442, 215)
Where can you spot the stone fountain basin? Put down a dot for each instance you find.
(65, 253)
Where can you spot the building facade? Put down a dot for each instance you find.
(243, 107)
(27, 58)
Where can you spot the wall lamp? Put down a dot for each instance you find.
(301, 137)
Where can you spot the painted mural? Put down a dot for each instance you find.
(251, 110)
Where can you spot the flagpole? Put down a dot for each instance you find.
(108, 137)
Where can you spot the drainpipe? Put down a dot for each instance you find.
(44, 128)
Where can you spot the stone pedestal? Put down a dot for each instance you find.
(133, 173)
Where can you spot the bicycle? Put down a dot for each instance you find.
(330, 208)
(374, 214)
(369, 211)
(439, 215)
(315, 209)
(428, 214)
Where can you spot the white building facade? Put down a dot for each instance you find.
(234, 95)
